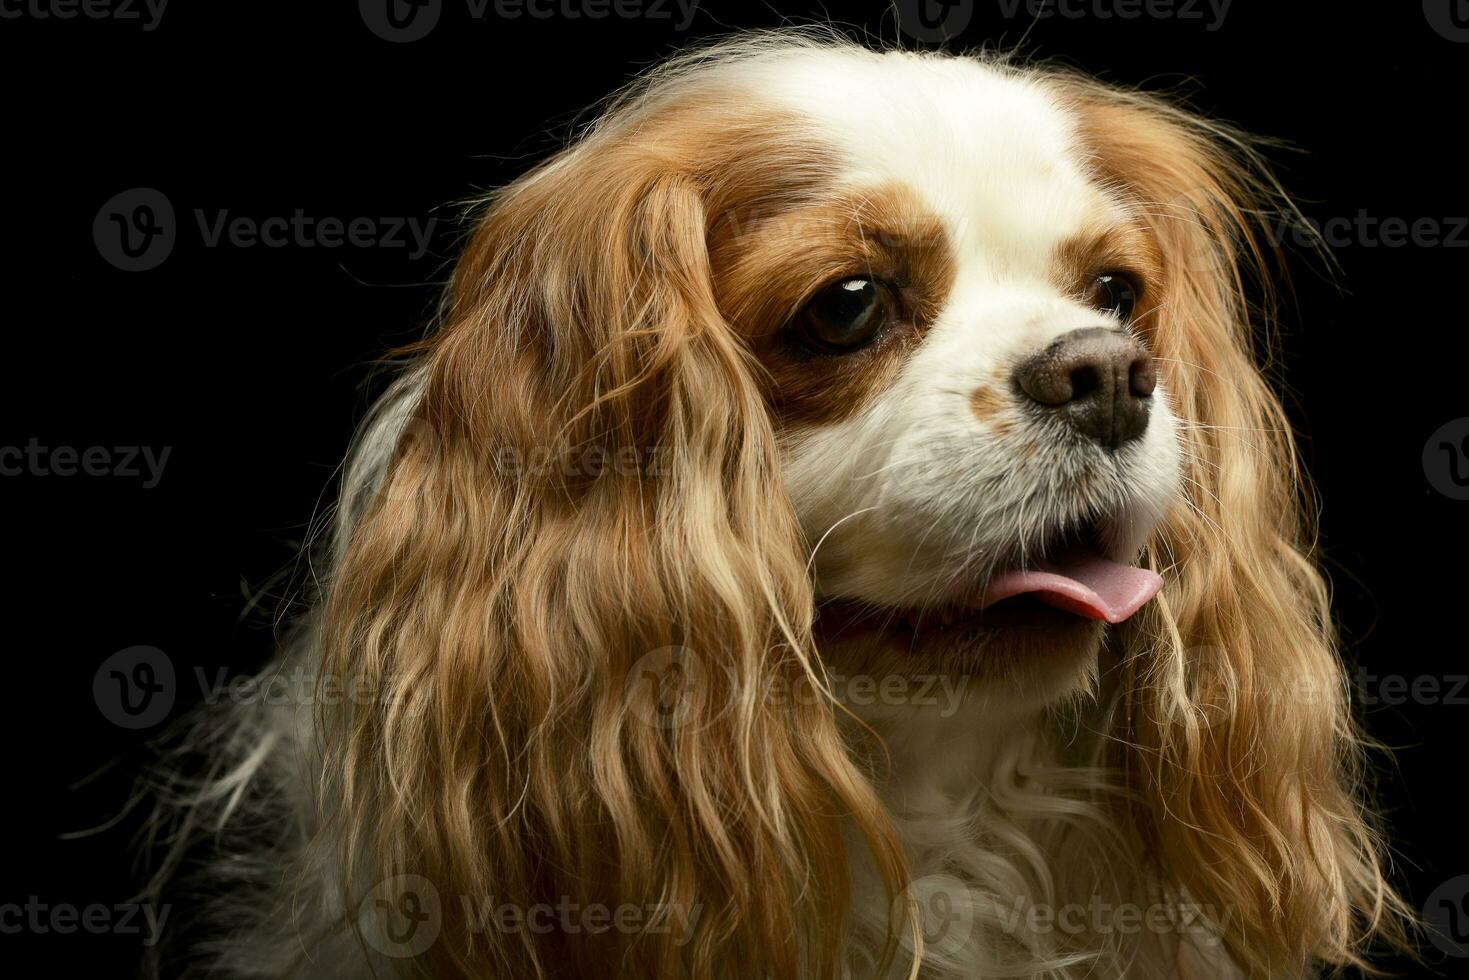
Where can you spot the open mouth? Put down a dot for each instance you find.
(1079, 579)
(1069, 579)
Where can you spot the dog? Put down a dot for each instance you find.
(838, 527)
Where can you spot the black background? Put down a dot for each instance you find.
(249, 363)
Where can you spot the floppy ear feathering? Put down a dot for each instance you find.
(582, 317)
(1234, 729)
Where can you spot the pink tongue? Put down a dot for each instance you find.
(1084, 583)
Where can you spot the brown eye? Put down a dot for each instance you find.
(1114, 293)
(845, 316)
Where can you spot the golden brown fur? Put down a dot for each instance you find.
(509, 611)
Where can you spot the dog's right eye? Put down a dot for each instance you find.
(845, 316)
(1114, 293)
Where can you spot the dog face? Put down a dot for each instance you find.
(956, 325)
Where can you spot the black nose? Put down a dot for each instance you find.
(1100, 380)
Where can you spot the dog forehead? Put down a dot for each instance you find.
(990, 150)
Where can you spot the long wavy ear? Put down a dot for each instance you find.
(1236, 731)
(572, 592)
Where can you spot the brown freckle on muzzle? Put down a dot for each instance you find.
(994, 407)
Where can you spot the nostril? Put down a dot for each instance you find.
(1046, 378)
(1084, 380)
(1142, 377)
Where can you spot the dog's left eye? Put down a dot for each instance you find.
(845, 316)
(1114, 293)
